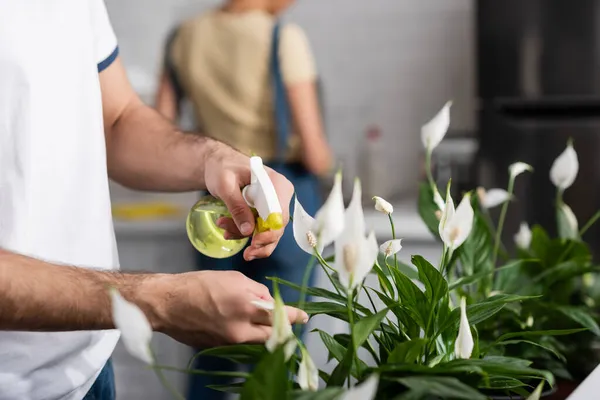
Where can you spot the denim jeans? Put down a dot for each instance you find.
(104, 387)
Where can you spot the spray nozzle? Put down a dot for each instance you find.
(261, 195)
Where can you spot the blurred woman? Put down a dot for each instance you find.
(253, 85)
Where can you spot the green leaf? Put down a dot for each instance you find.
(335, 310)
(517, 362)
(479, 312)
(230, 388)
(268, 380)
(436, 285)
(476, 252)
(338, 351)
(365, 327)
(412, 297)
(555, 332)
(581, 316)
(444, 387)
(317, 292)
(326, 394)
(540, 242)
(563, 271)
(384, 280)
(467, 280)
(428, 208)
(240, 353)
(509, 278)
(406, 316)
(407, 352)
(343, 369)
(505, 383)
(532, 343)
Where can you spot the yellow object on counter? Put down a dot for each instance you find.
(145, 211)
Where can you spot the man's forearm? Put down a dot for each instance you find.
(38, 296)
(146, 152)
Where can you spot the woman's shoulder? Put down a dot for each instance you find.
(293, 36)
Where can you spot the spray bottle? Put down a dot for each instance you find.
(260, 195)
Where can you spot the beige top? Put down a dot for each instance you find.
(222, 61)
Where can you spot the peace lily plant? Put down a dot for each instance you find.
(476, 324)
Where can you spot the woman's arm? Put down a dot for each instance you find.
(305, 109)
(300, 77)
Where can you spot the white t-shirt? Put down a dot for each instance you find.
(54, 196)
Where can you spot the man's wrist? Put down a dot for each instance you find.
(150, 293)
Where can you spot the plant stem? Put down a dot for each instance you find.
(395, 256)
(380, 325)
(428, 168)
(325, 266)
(589, 224)
(307, 272)
(163, 379)
(351, 322)
(511, 187)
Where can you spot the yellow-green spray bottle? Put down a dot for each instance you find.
(260, 195)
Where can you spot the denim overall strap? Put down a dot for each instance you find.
(280, 104)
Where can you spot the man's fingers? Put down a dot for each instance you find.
(296, 316)
(253, 252)
(231, 230)
(240, 212)
(261, 316)
(266, 238)
(259, 333)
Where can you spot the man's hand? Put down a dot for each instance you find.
(226, 173)
(146, 152)
(208, 308)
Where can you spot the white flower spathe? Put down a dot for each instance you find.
(391, 247)
(355, 254)
(383, 206)
(365, 391)
(434, 131)
(308, 374)
(565, 168)
(493, 197)
(264, 305)
(571, 219)
(134, 326)
(455, 225)
(523, 237)
(317, 233)
(282, 333)
(537, 393)
(518, 168)
(437, 199)
(463, 347)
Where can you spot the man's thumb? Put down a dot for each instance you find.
(240, 212)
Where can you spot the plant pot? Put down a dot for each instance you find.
(564, 388)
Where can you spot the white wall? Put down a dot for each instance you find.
(391, 63)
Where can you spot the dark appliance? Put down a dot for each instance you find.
(538, 85)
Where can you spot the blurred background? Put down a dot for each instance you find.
(523, 78)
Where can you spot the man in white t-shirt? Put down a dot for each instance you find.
(68, 120)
